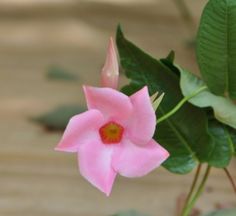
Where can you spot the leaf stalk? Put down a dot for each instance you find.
(180, 104)
(193, 186)
(230, 179)
(187, 210)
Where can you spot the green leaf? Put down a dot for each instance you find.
(216, 47)
(184, 134)
(223, 149)
(171, 56)
(57, 73)
(58, 118)
(232, 134)
(224, 212)
(129, 213)
(224, 109)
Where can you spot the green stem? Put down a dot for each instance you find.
(195, 180)
(230, 179)
(180, 104)
(199, 191)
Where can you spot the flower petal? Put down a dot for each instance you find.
(112, 103)
(110, 71)
(95, 164)
(79, 129)
(143, 120)
(136, 161)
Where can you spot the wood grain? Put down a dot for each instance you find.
(35, 180)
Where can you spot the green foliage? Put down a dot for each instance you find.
(57, 73)
(224, 212)
(224, 109)
(216, 47)
(232, 134)
(129, 213)
(223, 149)
(58, 118)
(185, 134)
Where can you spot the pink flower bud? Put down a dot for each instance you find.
(110, 71)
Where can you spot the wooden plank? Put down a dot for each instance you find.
(35, 180)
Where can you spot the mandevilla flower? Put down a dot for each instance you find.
(114, 135)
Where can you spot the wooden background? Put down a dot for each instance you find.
(35, 180)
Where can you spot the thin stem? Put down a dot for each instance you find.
(180, 104)
(199, 191)
(230, 179)
(194, 183)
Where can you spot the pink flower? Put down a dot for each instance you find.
(113, 136)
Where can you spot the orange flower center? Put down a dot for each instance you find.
(111, 133)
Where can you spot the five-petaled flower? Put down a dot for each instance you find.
(115, 135)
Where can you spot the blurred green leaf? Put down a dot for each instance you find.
(216, 46)
(185, 134)
(57, 73)
(58, 118)
(224, 212)
(224, 109)
(129, 213)
(232, 134)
